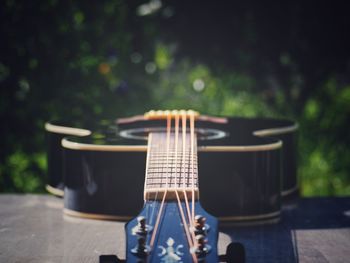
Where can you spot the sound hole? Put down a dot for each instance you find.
(142, 133)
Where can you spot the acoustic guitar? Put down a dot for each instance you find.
(172, 226)
(244, 170)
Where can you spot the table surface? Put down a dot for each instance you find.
(33, 229)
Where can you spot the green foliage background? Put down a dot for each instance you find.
(82, 61)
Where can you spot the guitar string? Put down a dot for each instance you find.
(157, 221)
(184, 126)
(169, 179)
(192, 139)
(185, 224)
(146, 196)
(150, 152)
(153, 150)
(157, 192)
(192, 160)
(176, 148)
(168, 148)
(146, 174)
(166, 188)
(188, 235)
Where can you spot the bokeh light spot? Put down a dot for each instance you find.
(347, 213)
(162, 57)
(24, 88)
(150, 67)
(149, 8)
(198, 85)
(104, 68)
(168, 12)
(136, 57)
(79, 18)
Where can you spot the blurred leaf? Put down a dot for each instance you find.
(162, 56)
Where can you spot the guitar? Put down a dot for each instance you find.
(242, 164)
(173, 226)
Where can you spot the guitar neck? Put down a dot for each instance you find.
(171, 167)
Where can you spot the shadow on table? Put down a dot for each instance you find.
(278, 243)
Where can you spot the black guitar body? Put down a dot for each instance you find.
(55, 132)
(245, 167)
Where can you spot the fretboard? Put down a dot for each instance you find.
(171, 165)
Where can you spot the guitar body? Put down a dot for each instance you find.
(55, 132)
(243, 171)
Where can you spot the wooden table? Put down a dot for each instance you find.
(33, 229)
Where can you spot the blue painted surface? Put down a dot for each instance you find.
(170, 244)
